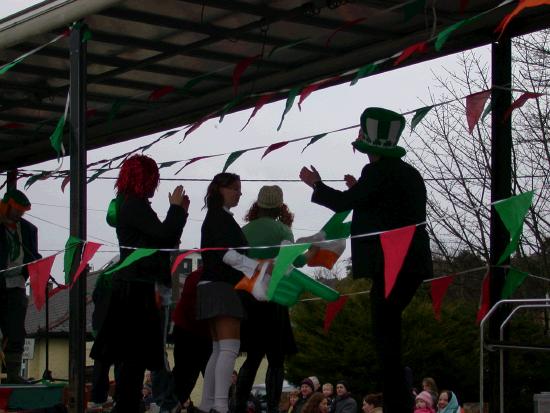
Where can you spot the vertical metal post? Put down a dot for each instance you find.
(77, 326)
(11, 179)
(501, 187)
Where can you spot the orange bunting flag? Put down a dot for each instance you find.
(39, 274)
(274, 147)
(240, 69)
(519, 102)
(395, 244)
(259, 104)
(474, 107)
(409, 51)
(160, 92)
(332, 311)
(439, 289)
(485, 299)
(522, 5)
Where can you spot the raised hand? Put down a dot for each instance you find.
(310, 177)
(177, 197)
(350, 180)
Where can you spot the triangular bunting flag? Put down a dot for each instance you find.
(409, 51)
(395, 244)
(308, 90)
(286, 257)
(332, 311)
(474, 106)
(289, 102)
(195, 126)
(419, 115)
(512, 212)
(183, 255)
(130, 259)
(522, 5)
(514, 279)
(438, 290)
(90, 248)
(160, 92)
(193, 160)
(274, 147)
(68, 258)
(364, 72)
(287, 46)
(39, 274)
(97, 174)
(233, 156)
(56, 138)
(259, 104)
(343, 27)
(66, 180)
(5, 393)
(487, 110)
(485, 299)
(313, 140)
(519, 102)
(234, 102)
(240, 68)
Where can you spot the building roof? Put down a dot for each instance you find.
(142, 56)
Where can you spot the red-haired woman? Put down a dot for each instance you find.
(131, 333)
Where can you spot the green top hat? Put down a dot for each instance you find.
(381, 130)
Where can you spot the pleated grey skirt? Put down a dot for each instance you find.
(218, 299)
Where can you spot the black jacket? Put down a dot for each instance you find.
(220, 229)
(389, 194)
(29, 239)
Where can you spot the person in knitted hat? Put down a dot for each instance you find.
(266, 330)
(389, 194)
(343, 403)
(18, 246)
(424, 403)
(307, 388)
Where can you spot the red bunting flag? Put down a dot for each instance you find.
(439, 289)
(5, 393)
(485, 300)
(183, 255)
(522, 5)
(274, 147)
(39, 274)
(193, 160)
(395, 244)
(240, 69)
(57, 289)
(12, 125)
(90, 248)
(259, 104)
(66, 180)
(332, 311)
(519, 102)
(474, 107)
(160, 92)
(409, 51)
(195, 126)
(343, 27)
(308, 90)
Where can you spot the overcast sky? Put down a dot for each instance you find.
(401, 90)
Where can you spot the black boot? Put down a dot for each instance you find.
(245, 380)
(13, 370)
(274, 387)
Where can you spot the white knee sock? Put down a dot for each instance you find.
(228, 352)
(207, 401)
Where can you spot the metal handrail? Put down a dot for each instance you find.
(526, 303)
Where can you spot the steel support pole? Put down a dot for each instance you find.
(11, 179)
(77, 322)
(501, 187)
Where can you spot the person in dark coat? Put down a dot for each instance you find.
(18, 246)
(131, 334)
(307, 388)
(390, 194)
(343, 402)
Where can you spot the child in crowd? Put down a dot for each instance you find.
(424, 403)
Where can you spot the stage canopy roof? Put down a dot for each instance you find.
(156, 65)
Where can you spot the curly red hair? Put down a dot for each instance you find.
(281, 213)
(139, 176)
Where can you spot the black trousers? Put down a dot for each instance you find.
(386, 323)
(13, 308)
(129, 387)
(100, 380)
(191, 354)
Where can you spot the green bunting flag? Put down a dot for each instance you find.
(233, 156)
(289, 102)
(97, 174)
(444, 35)
(514, 279)
(512, 212)
(335, 228)
(364, 72)
(56, 138)
(133, 257)
(234, 102)
(487, 110)
(8, 66)
(287, 46)
(68, 258)
(419, 115)
(286, 257)
(314, 139)
(87, 35)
